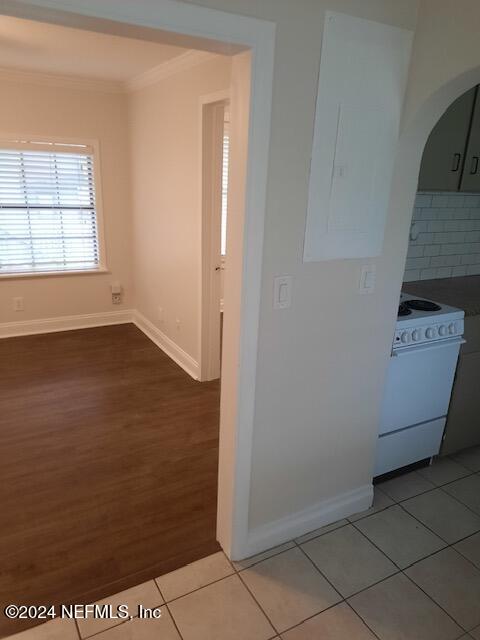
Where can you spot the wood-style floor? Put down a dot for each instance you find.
(108, 465)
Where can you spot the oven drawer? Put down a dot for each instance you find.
(398, 449)
(419, 384)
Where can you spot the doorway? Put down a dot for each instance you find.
(247, 192)
(443, 264)
(215, 117)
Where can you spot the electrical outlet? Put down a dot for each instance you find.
(18, 304)
(116, 298)
(161, 316)
(178, 323)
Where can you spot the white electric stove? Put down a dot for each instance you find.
(419, 383)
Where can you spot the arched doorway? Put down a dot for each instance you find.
(438, 247)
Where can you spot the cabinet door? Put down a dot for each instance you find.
(443, 157)
(471, 172)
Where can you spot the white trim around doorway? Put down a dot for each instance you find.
(191, 25)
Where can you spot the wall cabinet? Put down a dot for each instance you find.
(451, 160)
(471, 173)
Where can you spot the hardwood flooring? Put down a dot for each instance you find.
(108, 465)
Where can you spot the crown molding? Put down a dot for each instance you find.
(184, 61)
(57, 80)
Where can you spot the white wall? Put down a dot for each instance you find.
(445, 236)
(57, 111)
(165, 154)
(322, 363)
(316, 409)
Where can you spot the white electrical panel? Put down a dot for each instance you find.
(363, 75)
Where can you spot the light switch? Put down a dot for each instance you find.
(282, 292)
(367, 279)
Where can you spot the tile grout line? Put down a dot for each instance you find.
(263, 559)
(435, 603)
(376, 546)
(97, 633)
(258, 603)
(447, 544)
(400, 570)
(367, 515)
(168, 609)
(364, 621)
(197, 588)
(114, 626)
(320, 571)
(425, 526)
(458, 500)
(343, 599)
(427, 594)
(298, 545)
(319, 535)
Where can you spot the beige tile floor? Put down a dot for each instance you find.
(406, 569)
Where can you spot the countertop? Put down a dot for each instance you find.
(463, 292)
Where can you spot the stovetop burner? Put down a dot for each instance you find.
(403, 310)
(422, 305)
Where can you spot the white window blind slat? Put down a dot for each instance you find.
(48, 219)
(226, 149)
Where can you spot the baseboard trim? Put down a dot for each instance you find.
(297, 524)
(173, 351)
(64, 323)
(90, 320)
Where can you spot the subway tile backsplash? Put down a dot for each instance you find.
(444, 236)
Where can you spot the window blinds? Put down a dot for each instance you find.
(47, 208)
(225, 159)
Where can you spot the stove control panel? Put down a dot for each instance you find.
(427, 333)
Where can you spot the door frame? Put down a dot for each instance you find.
(209, 326)
(195, 26)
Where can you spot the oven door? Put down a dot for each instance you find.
(419, 384)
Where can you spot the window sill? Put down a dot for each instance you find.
(52, 274)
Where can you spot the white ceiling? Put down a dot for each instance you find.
(33, 46)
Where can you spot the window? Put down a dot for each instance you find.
(226, 148)
(48, 218)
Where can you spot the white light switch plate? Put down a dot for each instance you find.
(282, 292)
(367, 279)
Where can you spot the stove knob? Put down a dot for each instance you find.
(430, 333)
(442, 330)
(452, 328)
(405, 337)
(416, 335)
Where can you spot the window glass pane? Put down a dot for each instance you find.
(47, 211)
(226, 146)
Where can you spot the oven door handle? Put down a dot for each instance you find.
(429, 346)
